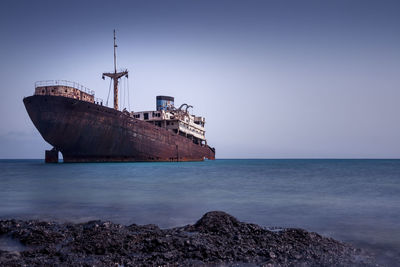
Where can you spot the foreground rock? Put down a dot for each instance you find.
(216, 239)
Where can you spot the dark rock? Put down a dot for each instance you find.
(217, 222)
(216, 239)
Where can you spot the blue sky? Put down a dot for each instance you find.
(274, 79)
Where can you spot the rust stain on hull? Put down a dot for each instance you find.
(86, 132)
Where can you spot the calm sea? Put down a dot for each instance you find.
(356, 201)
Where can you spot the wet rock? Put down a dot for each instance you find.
(216, 239)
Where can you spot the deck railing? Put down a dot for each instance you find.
(64, 83)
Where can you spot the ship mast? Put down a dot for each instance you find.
(116, 75)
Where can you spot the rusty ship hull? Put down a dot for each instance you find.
(87, 132)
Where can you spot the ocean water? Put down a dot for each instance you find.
(355, 201)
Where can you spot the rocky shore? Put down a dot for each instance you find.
(216, 239)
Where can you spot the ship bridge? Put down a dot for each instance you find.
(177, 120)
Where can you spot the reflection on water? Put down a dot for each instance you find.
(357, 201)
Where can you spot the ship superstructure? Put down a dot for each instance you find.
(83, 129)
(177, 120)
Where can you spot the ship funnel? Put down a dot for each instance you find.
(164, 102)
